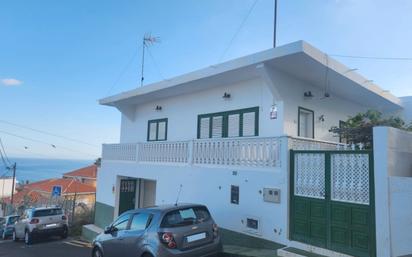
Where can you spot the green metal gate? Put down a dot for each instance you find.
(127, 195)
(332, 200)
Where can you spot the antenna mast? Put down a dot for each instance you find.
(275, 17)
(148, 40)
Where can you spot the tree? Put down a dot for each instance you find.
(359, 128)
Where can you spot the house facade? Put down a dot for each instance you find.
(240, 137)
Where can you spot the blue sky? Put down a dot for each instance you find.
(57, 58)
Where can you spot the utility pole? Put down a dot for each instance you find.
(275, 17)
(12, 185)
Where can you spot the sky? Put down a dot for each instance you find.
(57, 58)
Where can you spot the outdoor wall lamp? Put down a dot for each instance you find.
(226, 95)
(158, 108)
(308, 94)
(322, 118)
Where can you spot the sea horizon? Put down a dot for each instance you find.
(36, 169)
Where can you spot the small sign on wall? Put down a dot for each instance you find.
(274, 112)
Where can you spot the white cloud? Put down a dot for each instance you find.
(11, 82)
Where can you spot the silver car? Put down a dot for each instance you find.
(183, 230)
(37, 222)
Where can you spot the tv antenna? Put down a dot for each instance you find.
(178, 194)
(148, 40)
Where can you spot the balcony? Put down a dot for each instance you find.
(258, 152)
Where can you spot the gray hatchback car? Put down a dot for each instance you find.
(183, 230)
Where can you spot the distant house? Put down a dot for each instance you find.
(70, 187)
(86, 175)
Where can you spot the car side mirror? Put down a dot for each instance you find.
(108, 230)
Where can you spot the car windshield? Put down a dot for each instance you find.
(12, 220)
(185, 217)
(47, 212)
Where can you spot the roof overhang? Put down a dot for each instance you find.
(299, 59)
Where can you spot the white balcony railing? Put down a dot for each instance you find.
(264, 152)
(166, 152)
(256, 152)
(119, 152)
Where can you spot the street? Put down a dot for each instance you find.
(49, 248)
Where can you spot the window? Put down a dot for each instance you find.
(47, 212)
(234, 194)
(140, 221)
(157, 130)
(236, 123)
(306, 123)
(121, 222)
(185, 217)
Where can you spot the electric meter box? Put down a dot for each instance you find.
(271, 195)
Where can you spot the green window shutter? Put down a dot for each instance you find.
(233, 125)
(161, 131)
(152, 131)
(249, 122)
(217, 126)
(204, 127)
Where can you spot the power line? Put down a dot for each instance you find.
(238, 30)
(373, 57)
(155, 63)
(126, 67)
(48, 133)
(43, 142)
(4, 151)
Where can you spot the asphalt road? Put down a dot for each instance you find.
(46, 248)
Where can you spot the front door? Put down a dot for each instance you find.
(332, 204)
(127, 195)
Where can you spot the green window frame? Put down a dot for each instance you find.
(156, 124)
(239, 115)
(302, 109)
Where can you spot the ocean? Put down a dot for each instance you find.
(39, 169)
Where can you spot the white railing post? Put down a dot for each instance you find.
(190, 152)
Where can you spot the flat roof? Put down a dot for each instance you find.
(299, 59)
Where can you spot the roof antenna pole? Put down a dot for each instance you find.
(147, 41)
(275, 17)
(178, 194)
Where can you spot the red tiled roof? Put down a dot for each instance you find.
(22, 195)
(69, 186)
(86, 172)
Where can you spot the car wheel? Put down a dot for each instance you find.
(3, 236)
(97, 252)
(64, 233)
(15, 239)
(147, 255)
(28, 238)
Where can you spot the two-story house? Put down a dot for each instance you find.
(221, 136)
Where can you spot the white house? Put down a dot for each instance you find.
(222, 136)
(6, 185)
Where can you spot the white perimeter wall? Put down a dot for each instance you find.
(5, 187)
(393, 191)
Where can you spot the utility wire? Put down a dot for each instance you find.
(126, 67)
(373, 57)
(238, 30)
(43, 142)
(155, 63)
(4, 151)
(48, 133)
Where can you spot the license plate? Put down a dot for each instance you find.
(196, 237)
(51, 225)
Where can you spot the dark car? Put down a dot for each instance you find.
(184, 230)
(7, 226)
